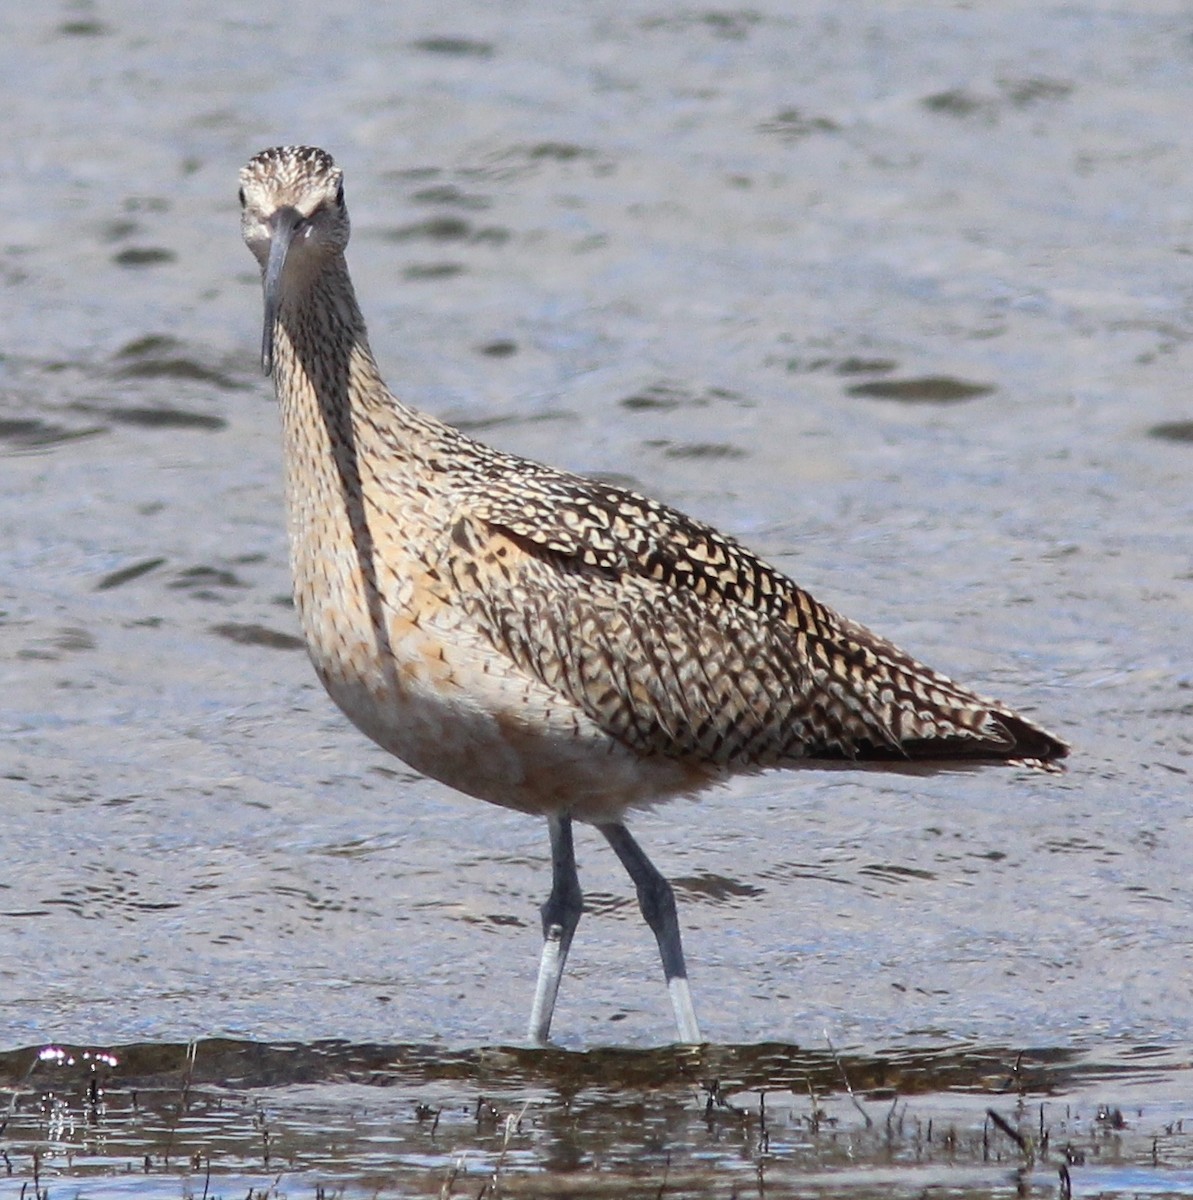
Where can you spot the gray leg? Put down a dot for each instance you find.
(657, 901)
(561, 915)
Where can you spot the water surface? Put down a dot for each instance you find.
(897, 295)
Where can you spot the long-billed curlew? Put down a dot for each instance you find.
(539, 640)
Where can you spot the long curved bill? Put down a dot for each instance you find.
(283, 224)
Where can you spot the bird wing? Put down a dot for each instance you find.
(679, 641)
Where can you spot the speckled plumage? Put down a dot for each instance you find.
(537, 639)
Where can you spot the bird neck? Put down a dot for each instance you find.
(334, 406)
(322, 358)
(336, 412)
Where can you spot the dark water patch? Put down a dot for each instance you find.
(118, 578)
(705, 450)
(497, 420)
(32, 433)
(741, 1068)
(448, 229)
(491, 235)
(159, 356)
(619, 479)
(1172, 431)
(119, 229)
(203, 582)
(166, 418)
(82, 27)
(435, 229)
(558, 151)
(499, 348)
(662, 397)
(602, 904)
(927, 389)
(733, 25)
(792, 125)
(1077, 844)
(149, 204)
(68, 640)
(730, 24)
(956, 102)
(1022, 93)
(1012, 93)
(460, 47)
(364, 847)
(106, 899)
(258, 635)
(426, 271)
(802, 366)
(855, 365)
(659, 397)
(852, 364)
(717, 888)
(412, 174)
(450, 194)
(150, 345)
(528, 158)
(826, 872)
(494, 920)
(143, 256)
(894, 873)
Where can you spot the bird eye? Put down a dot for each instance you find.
(242, 197)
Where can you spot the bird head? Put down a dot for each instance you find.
(293, 219)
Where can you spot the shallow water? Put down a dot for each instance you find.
(897, 295)
(333, 1118)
